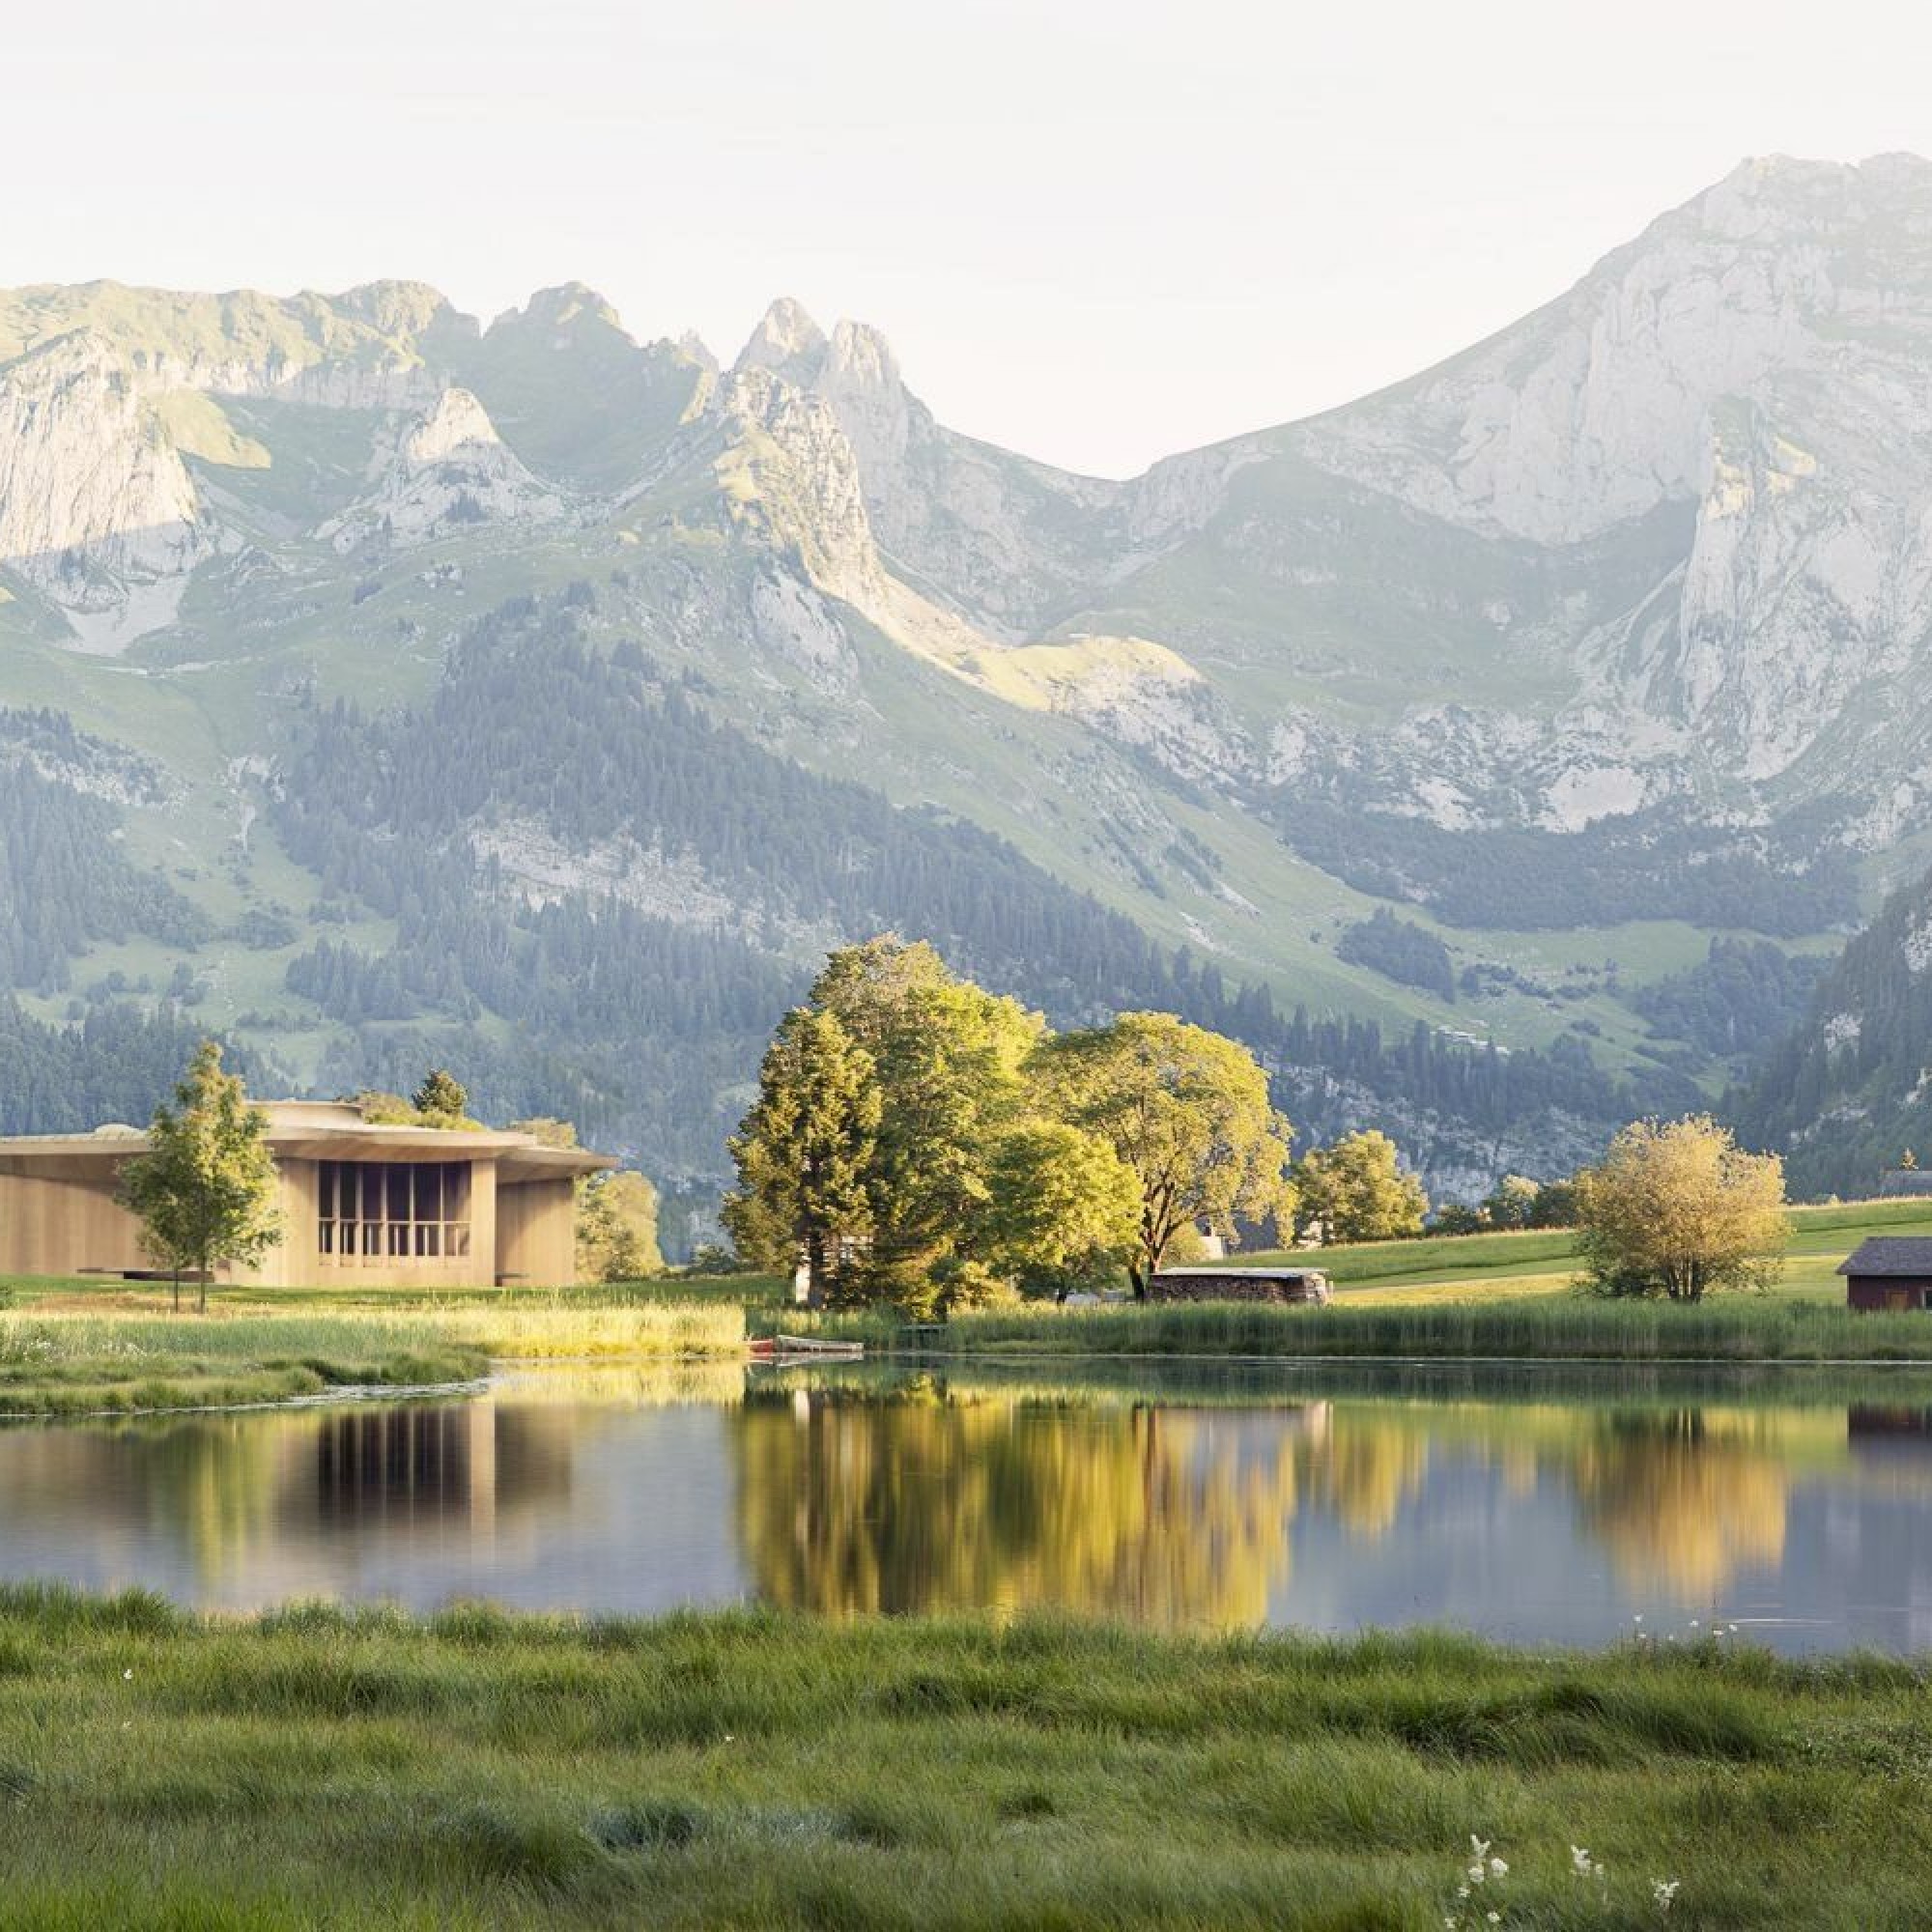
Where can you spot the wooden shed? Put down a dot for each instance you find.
(1890, 1271)
(1239, 1284)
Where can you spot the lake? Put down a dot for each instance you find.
(1531, 1504)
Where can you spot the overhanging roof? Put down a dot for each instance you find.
(304, 1133)
(1892, 1254)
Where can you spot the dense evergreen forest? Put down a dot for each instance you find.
(651, 1026)
(1653, 864)
(1741, 998)
(64, 881)
(1846, 1091)
(113, 1066)
(1401, 950)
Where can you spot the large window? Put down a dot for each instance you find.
(394, 1210)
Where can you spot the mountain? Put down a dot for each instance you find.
(376, 683)
(1848, 1089)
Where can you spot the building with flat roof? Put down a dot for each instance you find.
(380, 1206)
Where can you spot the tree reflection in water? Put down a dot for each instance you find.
(921, 1500)
(933, 1498)
(974, 1488)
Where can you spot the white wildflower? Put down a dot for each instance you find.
(1498, 1868)
(1664, 1892)
(127, 1677)
(1582, 1865)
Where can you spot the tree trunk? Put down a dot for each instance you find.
(203, 1271)
(178, 1288)
(815, 1269)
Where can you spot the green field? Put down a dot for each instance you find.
(1545, 1262)
(86, 1348)
(330, 1766)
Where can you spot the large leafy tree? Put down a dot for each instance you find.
(206, 1189)
(805, 1153)
(1678, 1208)
(958, 1182)
(1358, 1191)
(1063, 1209)
(949, 1058)
(1188, 1112)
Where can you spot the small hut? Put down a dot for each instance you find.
(1239, 1284)
(1890, 1271)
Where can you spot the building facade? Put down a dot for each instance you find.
(384, 1206)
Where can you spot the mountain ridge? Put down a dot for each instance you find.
(1578, 651)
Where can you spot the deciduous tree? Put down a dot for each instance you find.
(206, 1188)
(1359, 1190)
(1678, 1208)
(617, 1228)
(1187, 1111)
(1063, 1209)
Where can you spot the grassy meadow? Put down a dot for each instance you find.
(363, 1767)
(90, 1348)
(93, 1346)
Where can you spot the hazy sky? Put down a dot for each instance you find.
(1097, 233)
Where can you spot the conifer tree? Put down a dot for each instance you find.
(804, 1152)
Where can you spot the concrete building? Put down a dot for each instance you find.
(384, 1206)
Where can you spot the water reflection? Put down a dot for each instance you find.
(1307, 1496)
(928, 1499)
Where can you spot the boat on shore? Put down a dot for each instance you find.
(805, 1349)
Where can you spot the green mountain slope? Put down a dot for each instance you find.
(533, 693)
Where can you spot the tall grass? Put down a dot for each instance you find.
(750, 1770)
(1744, 1329)
(65, 1361)
(569, 1329)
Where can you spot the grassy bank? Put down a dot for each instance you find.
(1544, 1262)
(1744, 1329)
(67, 1350)
(750, 1770)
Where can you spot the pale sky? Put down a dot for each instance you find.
(1098, 233)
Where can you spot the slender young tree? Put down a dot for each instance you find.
(204, 1190)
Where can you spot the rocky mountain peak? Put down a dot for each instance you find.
(456, 420)
(570, 307)
(397, 308)
(786, 341)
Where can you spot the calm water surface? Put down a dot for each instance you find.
(1533, 1505)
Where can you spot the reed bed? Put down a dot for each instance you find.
(1743, 1328)
(570, 1327)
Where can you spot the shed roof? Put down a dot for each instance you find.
(1891, 1254)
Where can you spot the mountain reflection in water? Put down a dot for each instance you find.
(1303, 1496)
